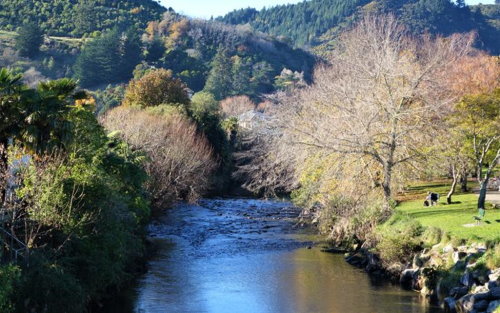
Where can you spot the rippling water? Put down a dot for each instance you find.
(247, 256)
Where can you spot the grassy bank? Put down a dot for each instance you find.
(456, 218)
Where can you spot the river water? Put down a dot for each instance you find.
(248, 256)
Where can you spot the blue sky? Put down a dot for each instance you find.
(207, 8)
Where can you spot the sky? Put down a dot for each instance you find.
(208, 8)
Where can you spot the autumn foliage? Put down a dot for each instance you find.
(155, 88)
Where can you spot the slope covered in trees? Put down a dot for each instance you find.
(78, 17)
(319, 21)
(226, 60)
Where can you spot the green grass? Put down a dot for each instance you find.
(452, 218)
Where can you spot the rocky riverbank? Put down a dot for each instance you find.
(453, 276)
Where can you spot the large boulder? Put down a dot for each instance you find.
(408, 277)
(481, 305)
(449, 305)
(493, 306)
(467, 279)
(465, 304)
(495, 293)
(458, 292)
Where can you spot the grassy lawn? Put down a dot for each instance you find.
(452, 218)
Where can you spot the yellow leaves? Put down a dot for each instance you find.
(152, 28)
(86, 103)
(136, 10)
(179, 29)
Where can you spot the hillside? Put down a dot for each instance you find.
(252, 60)
(317, 22)
(78, 17)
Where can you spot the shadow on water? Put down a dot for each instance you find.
(246, 256)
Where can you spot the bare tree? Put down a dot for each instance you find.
(235, 106)
(179, 160)
(378, 102)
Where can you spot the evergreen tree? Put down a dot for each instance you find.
(109, 58)
(85, 17)
(99, 61)
(219, 81)
(242, 75)
(29, 40)
(155, 50)
(130, 53)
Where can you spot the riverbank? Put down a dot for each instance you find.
(439, 251)
(455, 277)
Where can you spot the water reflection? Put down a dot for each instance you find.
(221, 260)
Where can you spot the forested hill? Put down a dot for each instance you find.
(316, 22)
(78, 17)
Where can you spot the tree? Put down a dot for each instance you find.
(375, 107)
(130, 53)
(179, 160)
(241, 77)
(235, 106)
(155, 50)
(109, 58)
(219, 81)
(13, 108)
(204, 109)
(85, 17)
(477, 119)
(155, 88)
(471, 75)
(99, 60)
(29, 40)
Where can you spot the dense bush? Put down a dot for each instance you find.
(180, 160)
(398, 238)
(9, 275)
(154, 88)
(77, 202)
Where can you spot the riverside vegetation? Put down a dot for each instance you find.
(396, 117)
(178, 108)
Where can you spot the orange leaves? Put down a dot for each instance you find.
(155, 88)
(475, 74)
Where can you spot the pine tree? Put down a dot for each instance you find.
(219, 81)
(130, 53)
(29, 40)
(99, 61)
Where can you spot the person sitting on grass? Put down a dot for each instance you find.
(431, 199)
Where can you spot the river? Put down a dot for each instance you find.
(248, 256)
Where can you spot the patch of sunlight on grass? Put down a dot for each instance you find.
(452, 218)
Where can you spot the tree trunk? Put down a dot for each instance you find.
(3, 173)
(482, 193)
(463, 182)
(453, 185)
(386, 185)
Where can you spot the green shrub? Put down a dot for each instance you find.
(491, 259)
(448, 280)
(432, 236)
(9, 274)
(398, 238)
